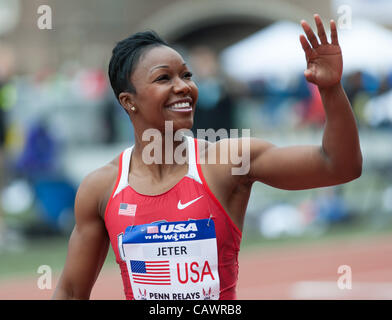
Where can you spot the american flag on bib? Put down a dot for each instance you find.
(150, 272)
(127, 209)
(152, 229)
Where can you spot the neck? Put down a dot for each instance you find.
(159, 153)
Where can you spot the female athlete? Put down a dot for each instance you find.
(175, 227)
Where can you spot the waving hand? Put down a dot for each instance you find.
(324, 60)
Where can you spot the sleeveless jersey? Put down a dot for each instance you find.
(177, 245)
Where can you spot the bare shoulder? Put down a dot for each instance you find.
(96, 188)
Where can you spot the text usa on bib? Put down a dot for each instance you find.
(172, 260)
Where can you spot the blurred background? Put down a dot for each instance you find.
(59, 119)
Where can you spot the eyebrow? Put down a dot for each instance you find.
(163, 66)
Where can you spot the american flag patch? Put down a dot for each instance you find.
(127, 209)
(150, 272)
(152, 229)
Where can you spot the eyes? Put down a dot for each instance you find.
(166, 77)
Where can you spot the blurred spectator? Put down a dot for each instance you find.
(378, 110)
(215, 106)
(109, 110)
(385, 84)
(39, 166)
(360, 86)
(39, 155)
(330, 206)
(353, 85)
(117, 126)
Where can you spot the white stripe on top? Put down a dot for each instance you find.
(192, 167)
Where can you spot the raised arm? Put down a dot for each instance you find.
(89, 242)
(338, 159)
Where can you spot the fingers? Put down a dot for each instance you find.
(305, 45)
(334, 33)
(309, 34)
(320, 29)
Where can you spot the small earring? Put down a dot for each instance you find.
(133, 108)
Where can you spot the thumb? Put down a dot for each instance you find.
(309, 75)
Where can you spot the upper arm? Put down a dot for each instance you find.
(88, 244)
(292, 168)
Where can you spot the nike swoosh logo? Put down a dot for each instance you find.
(181, 206)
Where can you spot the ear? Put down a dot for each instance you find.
(126, 100)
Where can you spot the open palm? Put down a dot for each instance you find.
(324, 60)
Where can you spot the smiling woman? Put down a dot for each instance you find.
(176, 228)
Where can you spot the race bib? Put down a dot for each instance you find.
(172, 260)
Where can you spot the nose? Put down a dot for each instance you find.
(181, 86)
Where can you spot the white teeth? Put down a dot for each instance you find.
(180, 105)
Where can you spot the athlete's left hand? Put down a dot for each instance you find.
(324, 60)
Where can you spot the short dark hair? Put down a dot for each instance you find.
(126, 55)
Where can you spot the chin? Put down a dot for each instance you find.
(175, 125)
(182, 124)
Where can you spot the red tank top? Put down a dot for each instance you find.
(180, 244)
